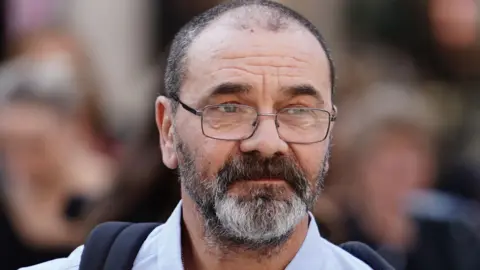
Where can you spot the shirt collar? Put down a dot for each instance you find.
(309, 255)
(170, 245)
(169, 254)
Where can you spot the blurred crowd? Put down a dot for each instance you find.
(79, 145)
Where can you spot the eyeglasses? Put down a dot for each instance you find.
(234, 122)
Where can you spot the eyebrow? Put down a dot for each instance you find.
(229, 88)
(303, 90)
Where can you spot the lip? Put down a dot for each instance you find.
(267, 180)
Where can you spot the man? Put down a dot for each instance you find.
(247, 120)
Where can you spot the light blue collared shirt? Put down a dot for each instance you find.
(162, 251)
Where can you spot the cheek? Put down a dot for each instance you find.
(213, 154)
(310, 158)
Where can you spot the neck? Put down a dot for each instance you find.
(199, 253)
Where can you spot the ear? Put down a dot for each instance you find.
(163, 115)
(335, 115)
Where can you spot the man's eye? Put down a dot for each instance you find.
(297, 111)
(227, 108)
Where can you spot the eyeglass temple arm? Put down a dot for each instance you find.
(186, 107)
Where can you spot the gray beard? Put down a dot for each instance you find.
(259, 221)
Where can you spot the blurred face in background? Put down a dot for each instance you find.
(255, 190)
(33, 131)
(31, 136)
(398, 162)
(43, 119)
(46, 138)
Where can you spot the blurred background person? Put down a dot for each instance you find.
(419, 204)
(389, 149)
(56, 152)
(391, 196)
(386, 139)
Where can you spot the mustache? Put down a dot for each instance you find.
(252, 166)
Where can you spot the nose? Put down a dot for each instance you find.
(265, 140)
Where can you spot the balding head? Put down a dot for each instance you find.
(240, 15)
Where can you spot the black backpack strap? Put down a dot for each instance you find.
(364, 253)
(97, 246)
(125, 248)
(114, 244)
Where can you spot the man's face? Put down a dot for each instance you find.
(256, 190)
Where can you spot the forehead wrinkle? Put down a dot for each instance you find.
(258, 65)
(259, 71)
(256, 71)
(258, 49)
(272, 61)
(262, 54)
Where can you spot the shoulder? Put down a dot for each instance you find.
(72, 262)
(341, 259)
(148, 252)
(146, 255)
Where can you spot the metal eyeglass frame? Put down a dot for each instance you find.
(332, 118)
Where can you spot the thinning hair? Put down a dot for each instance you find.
(266, 14)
